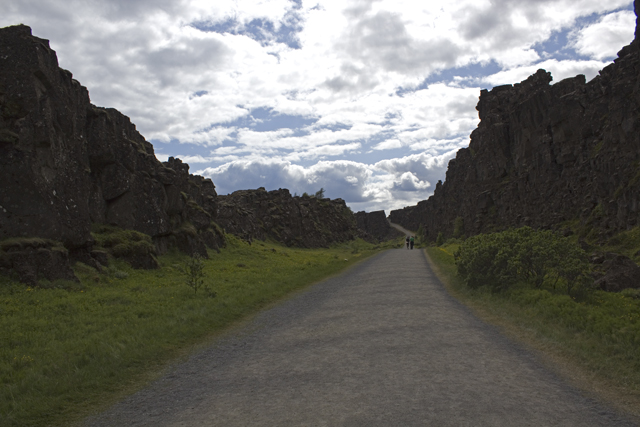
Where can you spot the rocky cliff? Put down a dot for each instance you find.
(66, 164)
(545, 155)
(410, 217)
(376, 226)
(69, 168)
(306, 222)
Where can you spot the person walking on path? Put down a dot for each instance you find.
(408, 240)
(411, 241)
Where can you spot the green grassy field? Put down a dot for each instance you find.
(593, 341)
(71, 349)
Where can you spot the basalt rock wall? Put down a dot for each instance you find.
(66, 164)
(546, 154)
(409, 217)
(376, 226)
(306, 222)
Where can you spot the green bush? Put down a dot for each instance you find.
(631, 293)
(440, 239)
(523, 255)
(483, 260)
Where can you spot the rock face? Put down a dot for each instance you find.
(408, 217)
(68, 167)
(376, 225)
(543, 154)
(615, 272)
(66, 164)
(34, 259)
(305, 222)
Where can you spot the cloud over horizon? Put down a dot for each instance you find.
(367, 99)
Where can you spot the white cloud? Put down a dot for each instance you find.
(393, 182)
(357, 68)
(343, 179)
(389, 144)
(603, 39)
(408, 182)
(195, 159)
(559, 70)
(423, 166)
(351, 180)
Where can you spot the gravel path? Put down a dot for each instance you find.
(402, 229)
(380, 345)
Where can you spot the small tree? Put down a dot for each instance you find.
(320, 194)
(194, 270)
(440, 239)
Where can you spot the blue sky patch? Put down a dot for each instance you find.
(261, 30)
(469, 73)
(264, 119)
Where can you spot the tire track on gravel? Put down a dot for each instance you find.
(380, 345)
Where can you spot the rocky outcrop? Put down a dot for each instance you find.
(615, 272)
(66, 164)
(408, 217)
(34, 259)
(376, 225)
(544, 155)
(305, 222)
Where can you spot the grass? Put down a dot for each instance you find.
(594, 342)
(69, 351)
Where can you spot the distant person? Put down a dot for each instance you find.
(408, 240)
(411, 241)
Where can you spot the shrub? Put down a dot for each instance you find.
(631, 293)
(523, 255)
(113, 271)
(130, 245)
(484, 260)
(122, 242)
(440, 239)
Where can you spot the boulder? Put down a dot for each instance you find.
(618, 272)
(34, 259)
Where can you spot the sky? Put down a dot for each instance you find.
(367, 99)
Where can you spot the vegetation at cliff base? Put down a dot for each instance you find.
(66, 349)
(594, 333)
(523, 256)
